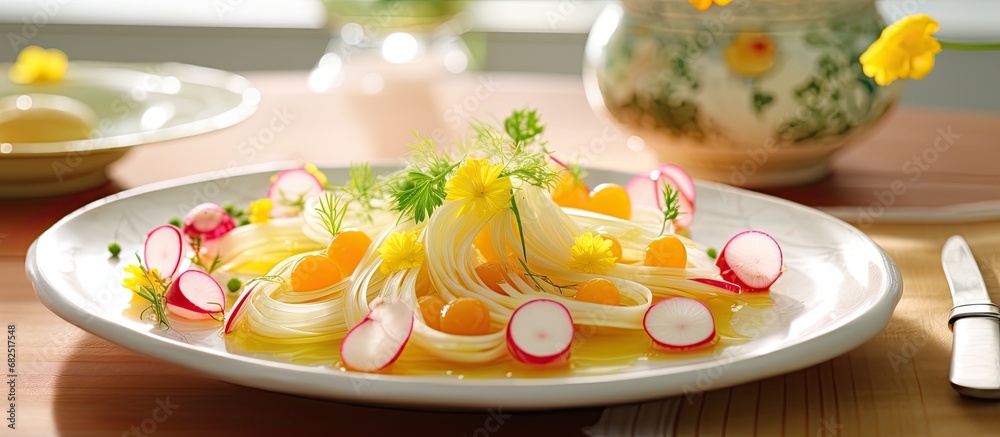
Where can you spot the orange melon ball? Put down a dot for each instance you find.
(611, 199)
(347, 248)
(571, 192)
(430, 308)
(492, 276)
(465, 316)
(314, 272)
(666, 251)
(599, 291)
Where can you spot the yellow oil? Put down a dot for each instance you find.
(595, 351)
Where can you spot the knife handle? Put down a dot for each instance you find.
(975, 355)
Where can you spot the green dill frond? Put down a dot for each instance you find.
(418, 189)
(331, 210)
(671, 206)
(523, 125)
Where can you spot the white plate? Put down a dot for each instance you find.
(839, 290)
(124, 105)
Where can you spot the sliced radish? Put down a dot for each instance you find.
(208, 221)
(195, 295)
(163, 250)
(378, 340)
(647, 189)
(722, 285)
(751, 259)
(540, 332)
(235, 313)
(679, 324)
(291, 186)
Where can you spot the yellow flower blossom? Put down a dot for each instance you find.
(138, 279)
(311, 168)
(591, 254)
(703, 5)
(401, 250)
(260, 211)
(35, 64)
(906, 49)
(750, 54)
(476, 184)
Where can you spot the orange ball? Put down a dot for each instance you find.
(666, 251)
(314, 272)
(465, 316)
(599, 291)
(347, 248)
(616, 246)
(492, 276)
(430, 308)
(611, 199)
(571, 192)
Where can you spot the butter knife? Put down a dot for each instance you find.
(975, 325)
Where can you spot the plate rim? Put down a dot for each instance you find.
(851, 331)
(186, 73)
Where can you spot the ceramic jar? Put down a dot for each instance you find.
(756, 93)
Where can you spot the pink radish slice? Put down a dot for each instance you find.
(647, 189)
(290, 186)
(195, 295)
(681, 180)
(722, 285)
(234, 314)
(679, 324)
(379, 339)
(540, 332)
(751, 259)
(208, 221)
(163, 250)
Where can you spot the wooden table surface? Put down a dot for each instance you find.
(72, 383)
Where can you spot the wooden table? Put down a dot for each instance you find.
(73, 383)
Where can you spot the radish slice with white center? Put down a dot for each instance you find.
(208, 221)
(235, 313)
(291, 186)
(751, 259)
(647, 189)
(721, 285)
(540, 332)
(379, 339)
(679, 324)
(195, 295)
(163, 250)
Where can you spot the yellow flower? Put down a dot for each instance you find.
(35, 64)
(476, 184)
(751, 54)
(703, 5)
(591, 254)
(905, 50)
(260, 211)
(316, 173)
(139, 279)
(401, 251)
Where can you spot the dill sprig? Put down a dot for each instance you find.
(331, 210)
(363, 186)
(154, 294)
(419, 189)
(672, 206)
(519, 148)
(523, 125)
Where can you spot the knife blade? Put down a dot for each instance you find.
(975, 324)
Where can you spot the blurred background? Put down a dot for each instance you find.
(540, 36)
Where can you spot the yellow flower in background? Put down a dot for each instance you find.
(260, 211)
(35, 64)
(139, 279)
(401, 250)
(591, 254)
(703, 5)
(906, 49)
(751, 54)
(477, 185)
(316, 173)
